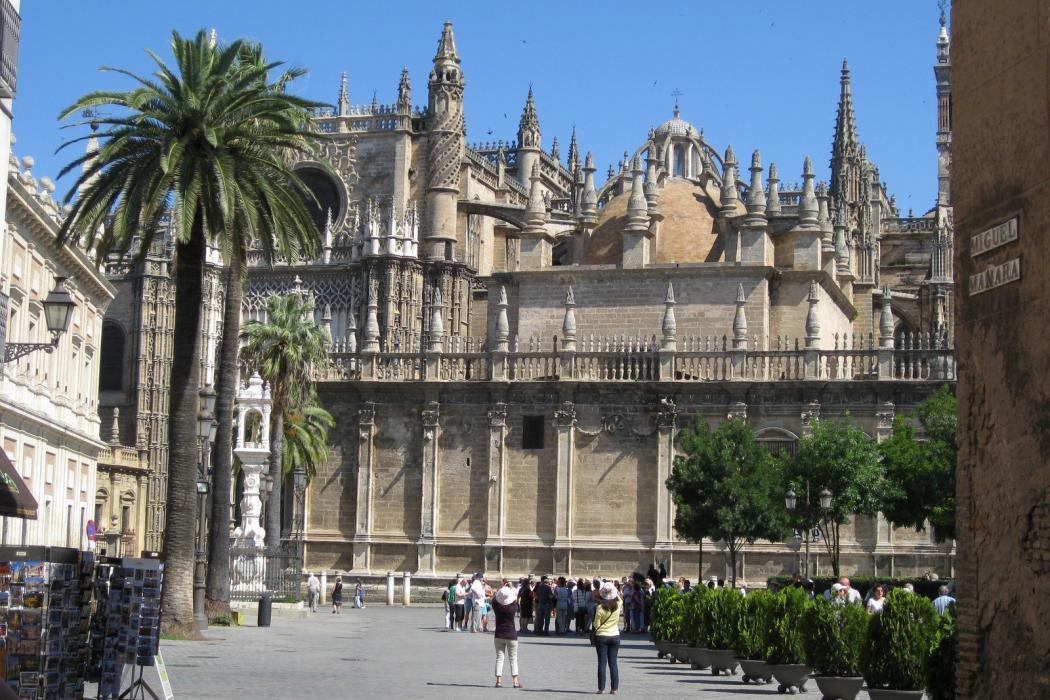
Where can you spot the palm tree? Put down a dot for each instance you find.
(306, 439)
(286, 348)
(227, 381)
(206, 146)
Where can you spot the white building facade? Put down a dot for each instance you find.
(49, 423)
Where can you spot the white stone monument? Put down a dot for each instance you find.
(253, 451)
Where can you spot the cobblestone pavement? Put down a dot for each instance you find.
(404, 653)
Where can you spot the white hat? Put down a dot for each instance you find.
(608, 591)
(836, 587)
(506, 595)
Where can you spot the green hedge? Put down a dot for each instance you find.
(833, 637)
(866, 583)
(899, 642)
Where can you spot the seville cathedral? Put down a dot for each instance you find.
(517, 340)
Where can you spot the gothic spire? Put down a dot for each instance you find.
(846, 143)
(555, 149)
(637, 206)
(773, 200)
(344, 96)
(589, 202)
(446, 51)
(574, 152)
(756, 196)
(404, 92)
(529, 126)
(808, 209)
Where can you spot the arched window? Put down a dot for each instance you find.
(326, 201)
(678, 169)
(777, 440)
(111, 359)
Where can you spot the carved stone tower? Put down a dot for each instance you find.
(445, 153)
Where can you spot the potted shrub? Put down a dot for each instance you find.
(833, 638)
(724, 611)
(696, 627)
(785, 655)
(898, 646)
(666, 618)
(675, 626)
(940, 667)
(751, 637)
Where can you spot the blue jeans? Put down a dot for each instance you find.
(543, 619)
(637, 616)
(608, 648)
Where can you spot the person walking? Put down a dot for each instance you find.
(337, 596)
(359, 594)
(313, 591)
(627, 589)
(525, 604)
(543, 608)
(592, 602)
(607, 636)
(505, 607)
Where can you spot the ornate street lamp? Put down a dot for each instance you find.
(206, 428)
(58, 312)
(825, 499)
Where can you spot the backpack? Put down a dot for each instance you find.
(444, 596)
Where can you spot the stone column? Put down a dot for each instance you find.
(429, 511)
(564, 423)
(365, 458)
(497, 484)
(666, 425)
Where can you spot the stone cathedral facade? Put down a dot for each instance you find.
(518, 340)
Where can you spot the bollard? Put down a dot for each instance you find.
(324, 588)
(265, 608)
(390, 588)
(407, 589)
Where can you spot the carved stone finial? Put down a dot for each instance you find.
(669, 326)
(730, 193)
(756, 196)
(808, 208)
(568, 326)
(502, 325)
(740, 320)
(436, 330)
(773, 199)
(886, 319)
(812, 320)
(114, 428)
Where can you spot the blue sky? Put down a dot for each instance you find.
(754, 73)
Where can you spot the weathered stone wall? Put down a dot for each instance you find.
(1001, 101)
(605, 518)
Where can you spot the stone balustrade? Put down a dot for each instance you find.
(911, 357)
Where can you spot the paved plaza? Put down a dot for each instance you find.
(403, 653)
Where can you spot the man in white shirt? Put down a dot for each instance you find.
(477, 596)
(313, 591)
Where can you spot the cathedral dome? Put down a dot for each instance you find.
(687, 234)
(676, 126)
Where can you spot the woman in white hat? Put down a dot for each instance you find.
(606, 635)
(505, 607)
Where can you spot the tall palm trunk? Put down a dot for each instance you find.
(273, 505)
(218, 591)
(177, 600)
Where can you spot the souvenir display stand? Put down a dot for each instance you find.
(126, 626)
(45, 608)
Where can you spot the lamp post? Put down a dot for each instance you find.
(824, 501)
(206, 430)
(299, 486)
(58, 312)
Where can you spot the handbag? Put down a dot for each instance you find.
(594, 638)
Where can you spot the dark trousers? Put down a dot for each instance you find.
(581, 620)
(457, 615)
(608, 648)
(543, 619)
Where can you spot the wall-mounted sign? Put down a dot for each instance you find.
(995, 276)
(1006, 232)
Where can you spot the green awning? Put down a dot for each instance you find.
(16, 500)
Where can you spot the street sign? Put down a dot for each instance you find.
(91, 530)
